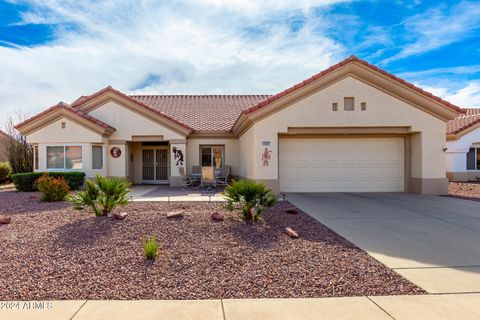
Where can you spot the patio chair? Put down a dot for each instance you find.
(208, 178)
(197, 170)
(186, 181)
(224, 176)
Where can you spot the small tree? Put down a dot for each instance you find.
(102, 195)
(19, 152)
(250, 197)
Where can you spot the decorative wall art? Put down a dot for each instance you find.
(266, 157)
(178, 156)
(115, 152)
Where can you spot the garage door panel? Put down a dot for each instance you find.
(342, 165)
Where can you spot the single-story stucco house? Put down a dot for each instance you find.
(350, 128)
(463, 146)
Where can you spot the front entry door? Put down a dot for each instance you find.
(155, 165)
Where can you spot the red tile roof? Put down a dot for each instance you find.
(202, 112)
(463, 121)
(323, 73)
(62, 105)
(84, 99)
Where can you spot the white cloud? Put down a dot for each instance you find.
(193, 46)
(438, 27)
(467, 96)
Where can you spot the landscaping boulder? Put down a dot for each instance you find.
(175, 214)
(217, 216)
(5, 220)
(120, 215)
(291, 233)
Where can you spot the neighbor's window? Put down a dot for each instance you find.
(348, 104)
(97, 157)
(363, 106)
(35, 157)
(212, 156)
(473, 159)
(64, 157)
(334, 106)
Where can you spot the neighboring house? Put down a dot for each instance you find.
(463, 146)
(3, 149)
(350, 128)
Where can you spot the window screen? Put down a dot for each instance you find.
(97, 157)
(471, 159)
(348, 104)
(55, 158)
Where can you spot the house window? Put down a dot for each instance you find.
(212, 156)
(334, 106)
(97, 157)
(473, 159)
(363, 106)
(348, 104)
(35, 157)
(64, 157)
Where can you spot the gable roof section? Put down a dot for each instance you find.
(87, 103)
(350, 66)
(464, 123)
(202, 112)
(59, 110)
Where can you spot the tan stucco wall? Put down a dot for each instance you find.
(383, 110)
(129, 123)
(231, 152)
(118, 167)
(73, 133)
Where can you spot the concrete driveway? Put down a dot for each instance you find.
(432, 241)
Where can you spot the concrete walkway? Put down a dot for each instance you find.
(166, 193)
(430, 240)
(437, 307)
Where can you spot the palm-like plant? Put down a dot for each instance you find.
(102, 195)
(250, 197)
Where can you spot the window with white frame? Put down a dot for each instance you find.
(212, 156)
(64, 157)
(97, 157)
(473, 159)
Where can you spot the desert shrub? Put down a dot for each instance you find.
(53, 189)
(250, 197)
(27, 182)
(102, 195)
(150, 248)
(5, 171)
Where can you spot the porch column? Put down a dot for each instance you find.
(178, 158)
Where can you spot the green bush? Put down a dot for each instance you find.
(250, 197)
(150, 248)
(27, 182)
(53, 189)
(102, 195)
(5, 171)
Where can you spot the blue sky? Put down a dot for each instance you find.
(55, 50)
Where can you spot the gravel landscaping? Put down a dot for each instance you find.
(50, 251)
(464, 190)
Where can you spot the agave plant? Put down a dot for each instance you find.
(250, 197)
(102, 195)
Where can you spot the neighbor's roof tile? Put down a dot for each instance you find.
(464, 121)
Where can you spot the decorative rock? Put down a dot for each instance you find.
(291, 233)
(174, 214)
(5, 220)
(120, 215)
(291, 211)
(217, 216)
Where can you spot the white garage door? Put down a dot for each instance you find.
(341, 164)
